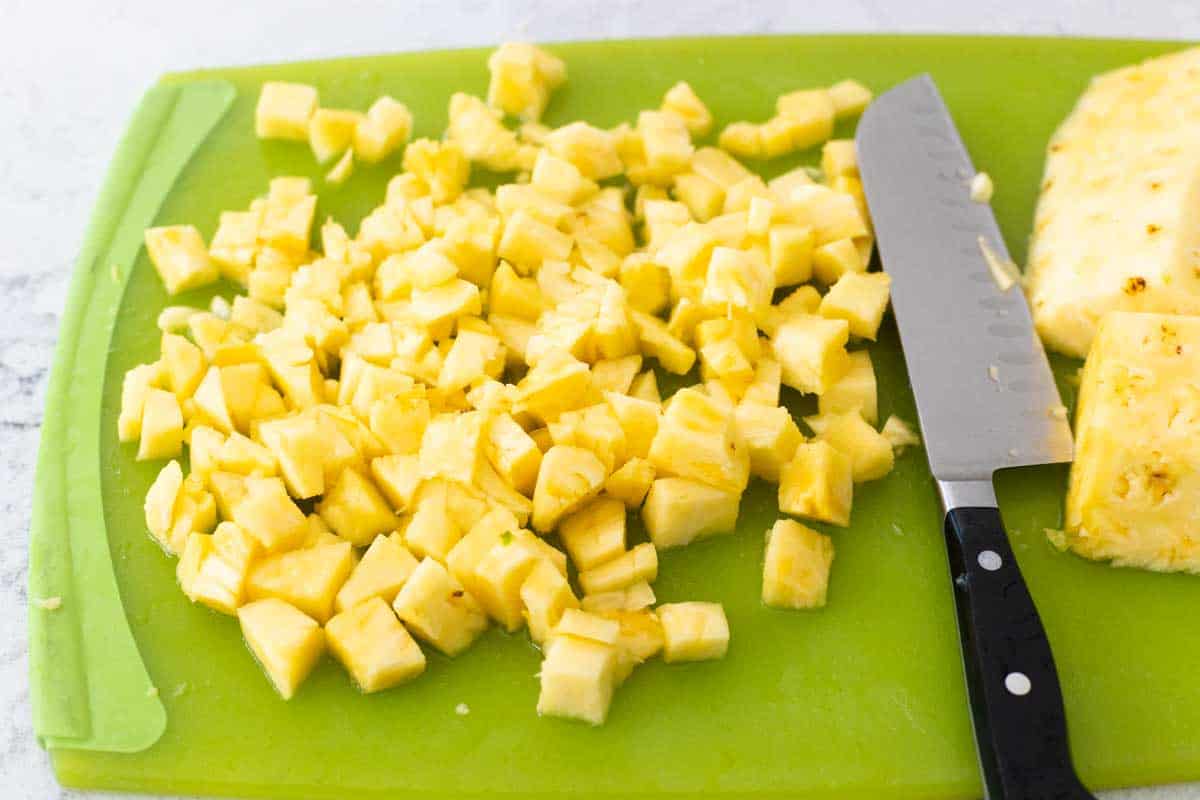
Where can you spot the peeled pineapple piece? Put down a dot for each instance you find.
(308, 579)
(595, 534)
(286, 642)
(545, 595)
(693, 631)
(818, 483)
(436, 607)
(577, 679)
(374, 647)
(678, 511)
(568, 478)
(381, 572)
(796, 566)
(284, 110)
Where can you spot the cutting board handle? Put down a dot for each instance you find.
(1016, 700)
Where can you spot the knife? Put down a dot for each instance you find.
(986, 400)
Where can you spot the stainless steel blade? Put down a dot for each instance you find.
(985, 395)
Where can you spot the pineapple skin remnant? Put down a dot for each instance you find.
(1135, 483)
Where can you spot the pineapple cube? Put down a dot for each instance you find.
(180, 257)
(432, 530)
(472, 358)
(813, 112)
(500, 575)
(818, 483)
(849, 98)
(832, 215)
(1133, 484)
(630, 482)
(770, 435)
(439, 307)
(560, 180)
(592, 150)
(834, 259)
(759, 216)
(696, 440)
(900, 434)
(781, 135)
(791, 253)
(703, 198)
(557, 383)
(512, 452)
(584, 625)
(452, 446)
(527, 241)
(228, 490)
(160, 502)
(288, 214)
(385, 127)
(796, 566)
(596, 428)
(682, 101)
(686, 253)
(522, 77)
(639, 419)
(498, 493)
(860, 299)
(723, 360)
(738, 279)
(287, 642)
(268, 514)
(639, 638)
(397, 477)
(645, 387)
(739, 196)
(245, 456)
(870, 452)
(693, 631)
(657, 342)
(577, 679)
(854, 391)
(284, 110)
(719, 167)
(435, 607)
(183, 365)
(137, 382)
(161, 427)
(812, 352)
(545, 595)
(633, 566)
(374, 647)
(355, 509)
(474, 546)
(678, 511)
(308, 579)
(616, 374)
(331, 132)
(569, 477)
(441, 165)
(384, 568)
(764, 389)
(743, 139)
(635, 597)
(647, 283)
(213, 569)
(595, 534)
(515, 334)
(838, 159)
(665, 141)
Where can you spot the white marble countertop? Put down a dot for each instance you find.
(75, 68)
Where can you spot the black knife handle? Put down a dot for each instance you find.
(1016, 700)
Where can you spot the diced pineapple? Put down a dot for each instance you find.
(161, 427)
(436, 607)
(441, 165)
(545, 595)
(217, 567)
(666, 143)
(268, 514)
(397, 477)
(183, 365)
(433, 530)
(860, 299)
(284, 110)
(682, 101)
(764, 389)
(693, 631)
(678, 511)
(616, 374)
(849, 98)
(639, 421)
(771, 436)
(512, 452)
(584, 625)
(811, 351)
(739, 279)
(635, 597)
(286, 642)
(355, 509)
(331, 132)
(308, 579)
(900, 434)
(796, 566)
(499, 576)
(385, 127)
(592, 150)
(631, 482)
(569, 476)
(854, 391)
(561, 180)
(595, 534)
(647, 283)
(837, 258)
(838, 158)
(639, 639)
(374, 647)
(743, 139)
(657, 342)
(645, 387)
(791, 253)
(384, 568)
(527, 242)
(637, 564)
(557, 383)
(288, 214)
(452, 446)
(134, 387)
(870, 453)
(703, 198)
(696, 440)
(180, 257)
(577, 679)
(522, 78)
(818, 483)
(813, 112)
(160, 501)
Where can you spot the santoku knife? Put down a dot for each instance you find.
(986, 400)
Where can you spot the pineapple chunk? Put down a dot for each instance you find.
(764, 389)
(528, 241)
(331, 132)
(849, 97)
(384, 568)
(557, 383)
(308, 579)
(818, 483)
(560, 180)
(286, 642)
(665, 141)
(512, 452)
(593, 151)
(703, 198)
(639, 638)
(743, 139)
(854, 391)
(834, 259)
(452, 447)
(639, 421)
(160, 501)
(545, 595)
(577, 679)
(635, 597)
(568, 478)
(860, 299)
(269, 515)
(870, 453)
(137, 382)
(631, 482)
(180, 257)
(647, 283)
(500, 575)
(374, 647)
(221, 566)
(284, 110)
(633, 566)
(435, 607)
(771, 436)
(812, 352)
(900, 434)
(398, 477)
(616, 374)
(522, 78)
(693, 631)
(682, 101)
(739, 279)
(796, 566)
(838, 159)
(441, 165)
(183, 365)
(813, 112)
(161, 426)
(1133, 482)
(696, 440)
(385, 127)
(790, 249)
(584, 625)
(678, 511)
(355, 509)
(595, 534)
(645, 387)
(719, 167)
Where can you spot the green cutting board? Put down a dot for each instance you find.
(863, 699)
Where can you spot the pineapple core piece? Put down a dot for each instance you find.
(796, 567)
(374, 647)
(286, 642)
(1135, 481)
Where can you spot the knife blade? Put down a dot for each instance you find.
(986, 399)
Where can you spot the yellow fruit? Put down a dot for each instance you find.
(381, 573)
(633, 566)
(854, 391)
(499, 576)
(161, 426)
(860, 299)
(331, 132)
(631, 482)
(838, 159)
(678, 511)
(284, 110)
(657, 342)
(682, 101)
(269, 515)
(791, 253)
(441, 165)
(635, 597)
(696, 440)
(355, 509)
(818, 483)
(545, 595)
(374, 647)
(900, 434)
(595, 534)
(870, 453)
(743, 139)
(639, 638)
(693, 631)
(160, 502)
(703, 198)
(593, 151)
(522, 78)
(577, 679)
(308, 579)
(813, 112)
(568, 478)
(616, 374)
(771, 436)
(812, 352)
(435, 607)
(385, 127)
(213, 569)
(849, 98)
(739, 279)
(796, 566)
(286, 642)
